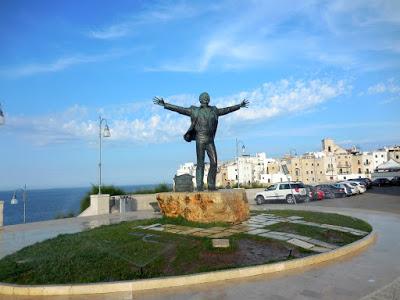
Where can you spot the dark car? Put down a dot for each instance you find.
(381, 182)
(395, 180)
(331, 191)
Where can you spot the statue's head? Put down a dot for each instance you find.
(204, 98)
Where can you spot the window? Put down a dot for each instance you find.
(359, 170)
(271, 188)
(329, 148)
(318, 165)
(312, 164)
(320, 172)
(382, 155)
(284, 187)
(359, 162)
(306, 172)
(311, 172)
(397, 157)
(376, 156)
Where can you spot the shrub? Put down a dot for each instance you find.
(160, 188)
(105, 189)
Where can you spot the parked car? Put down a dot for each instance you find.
(313, 193)
(331, 191)
(395, 180)
(348, 189)
(360, 187)
(287, 191)
(365, 181)
(381, 182)
(353, 189)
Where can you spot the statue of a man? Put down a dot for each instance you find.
(204, 122)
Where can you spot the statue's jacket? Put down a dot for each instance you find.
(193, 113)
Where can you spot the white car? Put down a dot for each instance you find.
(361, 188)
(349, 189)
(288, 191)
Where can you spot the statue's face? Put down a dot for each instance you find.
(204, 99)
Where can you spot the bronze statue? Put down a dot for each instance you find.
(204, 122)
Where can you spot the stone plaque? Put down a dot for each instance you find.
(183, 183)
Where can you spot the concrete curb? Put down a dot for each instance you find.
(175, 281)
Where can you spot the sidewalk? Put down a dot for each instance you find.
(15, 237)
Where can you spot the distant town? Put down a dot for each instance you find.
(332, 163)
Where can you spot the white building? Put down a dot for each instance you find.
(380, 156)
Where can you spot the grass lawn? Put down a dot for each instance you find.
(323, 218)
(322, 234)
(123, 252)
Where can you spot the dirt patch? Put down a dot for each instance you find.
(246, 252)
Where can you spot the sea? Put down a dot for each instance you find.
(48, 204)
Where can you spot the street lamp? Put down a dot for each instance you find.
(2, 118)
(238, 143)
(105, 133)
(14, 199)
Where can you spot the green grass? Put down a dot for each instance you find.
(125, 252)
(160, 188)
(323, 218)
(116, 252)
(322, 234)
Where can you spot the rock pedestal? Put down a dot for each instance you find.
(206, 207)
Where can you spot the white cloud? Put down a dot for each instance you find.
(156, 14)
(144, 123)
(389, 87)
(57, 65)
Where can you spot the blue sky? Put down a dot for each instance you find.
(310, 69)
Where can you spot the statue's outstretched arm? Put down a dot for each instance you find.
(229, 109)
(179, 109)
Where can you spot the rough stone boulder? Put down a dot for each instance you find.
(206, 207)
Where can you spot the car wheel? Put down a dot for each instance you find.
(260, 200)
(289, 199)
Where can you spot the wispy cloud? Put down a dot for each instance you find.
(143, 122)
(56, 65)
(156, 14)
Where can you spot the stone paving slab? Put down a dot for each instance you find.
(297, 236)
(257, 231)
(322, 244)
(221, 234)
(200, 234)
(294, 218)
(190, 231)
(300, 243)
(269, 223)
(320, 249)
(274, 236)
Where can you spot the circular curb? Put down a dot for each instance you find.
(183, 280)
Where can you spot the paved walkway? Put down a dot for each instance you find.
(372, 274)
(15, 237)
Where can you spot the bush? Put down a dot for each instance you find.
(160, 188)
(105, 189)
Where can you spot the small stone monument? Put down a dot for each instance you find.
(183, 183)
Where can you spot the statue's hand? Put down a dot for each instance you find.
(244, 103)
(158, 101)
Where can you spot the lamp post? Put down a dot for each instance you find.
(2, 118)
(238, 143)
(105, 133)
(14, 200)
